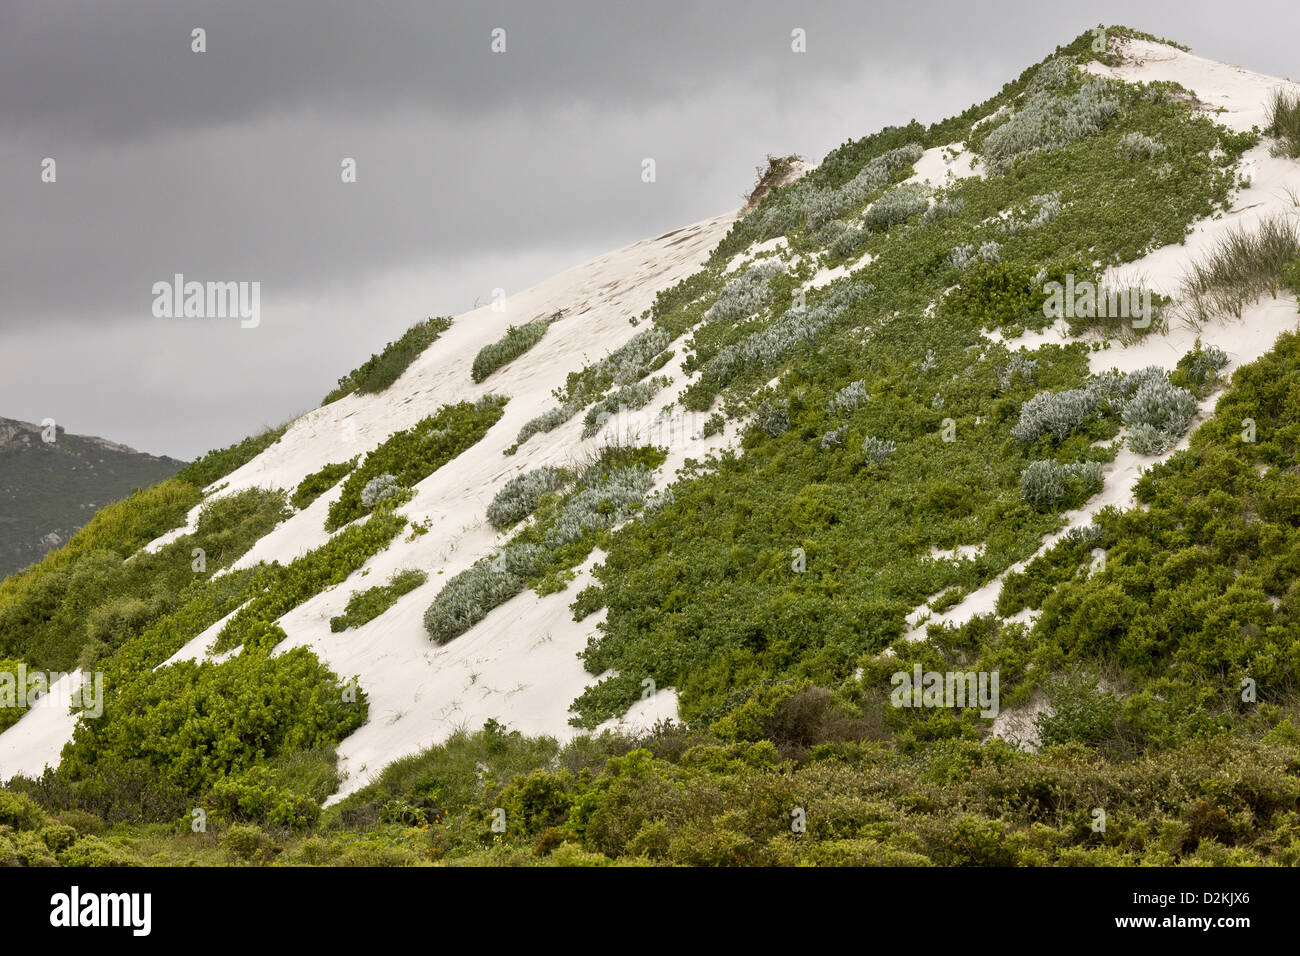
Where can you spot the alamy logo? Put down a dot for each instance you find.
(1087, 300)
(75, 908)
(948, 689)
(179, 299)
(22, 688)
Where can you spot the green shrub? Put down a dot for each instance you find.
(589, 600)
(219, 463)
(94, 852)
(1081, 713)
(93, 602)
(287, 587)
(412, 455)
(246, 843)
(517, 340)
(20, 812)
(1198, 369)
(58, 836)
(997, 294)
(319, 482)
(369, 604)
(253, 796)
(186, 726)
(536, 801)
(382, 370)
(714, 425)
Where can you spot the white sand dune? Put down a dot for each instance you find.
(520, 664)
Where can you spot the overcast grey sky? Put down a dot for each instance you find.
(475, 170)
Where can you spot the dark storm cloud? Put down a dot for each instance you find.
(475, 170)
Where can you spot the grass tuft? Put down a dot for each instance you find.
(1240, 270)
(1284, 122)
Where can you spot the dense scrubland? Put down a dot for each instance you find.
(884, 417)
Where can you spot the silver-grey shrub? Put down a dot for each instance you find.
(944, 209)
(780, 339)
(1163, 406)
(601, 504)
(773, 418)
(812, 207)
(832, 439)
(1049, 207)
(849, 399)
(896, 206)
(630, 397)
(659, 501)
(547, 421)
(876, 449)
(1020, 365)
(467, 597)
(966, 254)
(1111, 390)
(379, 488)
(1048, 120)
(628, 363)
(1146, 439)
(1053, 413)
(1054, 74)
(1205, 366)
(849, 241)
(1045, 484)
(1140, 146)
(744, 295)
(519, 496)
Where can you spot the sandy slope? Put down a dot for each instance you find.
(519, 665)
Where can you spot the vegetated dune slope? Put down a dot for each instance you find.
(519, 665)
(1265, 179)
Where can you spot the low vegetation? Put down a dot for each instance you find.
(517, 340)
(895, 454)
(408, 457)
(382, 370)
(1241, 269)
(285, 587)
(319, 482)
(365, 606)
(217, 464)
(1284, 121)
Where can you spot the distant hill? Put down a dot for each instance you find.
(49, 489)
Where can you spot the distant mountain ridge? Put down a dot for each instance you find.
(49, 489)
